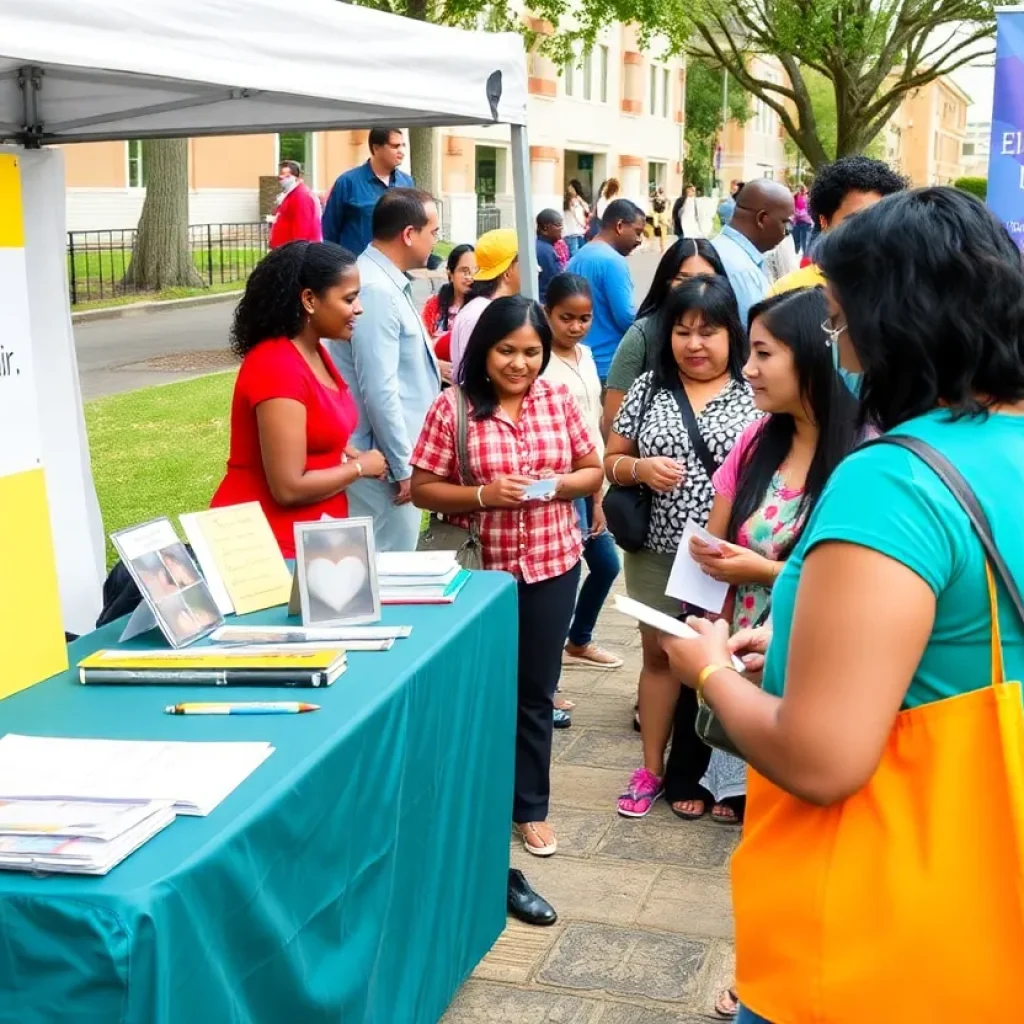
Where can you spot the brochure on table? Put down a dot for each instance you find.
(175, 596)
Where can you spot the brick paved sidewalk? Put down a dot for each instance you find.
(645, 928)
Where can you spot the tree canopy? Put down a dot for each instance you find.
(704, 94)
(873, 53)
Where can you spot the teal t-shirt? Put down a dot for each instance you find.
(885, 498)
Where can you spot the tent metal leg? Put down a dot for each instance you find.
(525, 228)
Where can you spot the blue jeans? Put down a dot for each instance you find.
(574, 244)
(801, 236)
(602, 558)
(749, 1017)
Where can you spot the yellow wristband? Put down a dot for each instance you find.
(702, 677)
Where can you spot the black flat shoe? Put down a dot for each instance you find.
(525, 904)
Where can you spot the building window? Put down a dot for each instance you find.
(602, 59)
(666, 91)
(968, 149)
(588, 75)
(136, 168)
(567, 73)
(652, 102)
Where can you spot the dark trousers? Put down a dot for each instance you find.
(602, 558)
(545, 610)
(689, 757)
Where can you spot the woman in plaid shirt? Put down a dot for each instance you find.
(521, 428)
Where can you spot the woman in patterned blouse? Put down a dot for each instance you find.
(700, 359)
(769, 484)
(521, 428)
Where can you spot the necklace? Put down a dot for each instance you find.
(574, 365)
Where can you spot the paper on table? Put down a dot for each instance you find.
(305, 634)
(659, 620)
(236, 545)
(688, 582)
(195, 776)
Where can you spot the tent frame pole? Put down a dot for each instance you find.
(522, 186)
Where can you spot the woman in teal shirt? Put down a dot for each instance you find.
(888, 816)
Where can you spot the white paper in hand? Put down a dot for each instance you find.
(659, 620)
(539, 490)
(688, 582)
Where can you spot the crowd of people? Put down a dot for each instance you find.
(873, 752)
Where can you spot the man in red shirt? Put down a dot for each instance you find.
(298, 214)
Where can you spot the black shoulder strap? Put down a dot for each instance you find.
(690, 421)
(961, 490)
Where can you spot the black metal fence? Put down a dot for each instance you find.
(222, 254)
(488, 218)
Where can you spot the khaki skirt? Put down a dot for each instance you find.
(647, 575)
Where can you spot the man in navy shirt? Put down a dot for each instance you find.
(549, 231)
(348, 216)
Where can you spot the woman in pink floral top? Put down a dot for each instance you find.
(767, 487)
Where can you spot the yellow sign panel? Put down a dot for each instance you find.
(32, 644)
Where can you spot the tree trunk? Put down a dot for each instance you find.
(421, 157)
(162, 258)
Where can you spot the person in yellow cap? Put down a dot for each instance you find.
(841, 189)
(497, 275)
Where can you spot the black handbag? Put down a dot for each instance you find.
(442, 535)
(627, 509)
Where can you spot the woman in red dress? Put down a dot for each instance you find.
(292, 415)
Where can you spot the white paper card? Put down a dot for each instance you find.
(659, 620)
(688, 582)
(541, 489)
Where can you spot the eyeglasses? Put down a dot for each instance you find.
(465, 271)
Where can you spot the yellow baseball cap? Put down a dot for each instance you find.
(495, 252)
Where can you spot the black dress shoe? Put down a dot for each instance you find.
(525, 904)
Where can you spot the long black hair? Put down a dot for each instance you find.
(501, 318)
(794, 319)
(713, 299)
(446, 293)
(271, 306)
(674, 257)
(932, 288)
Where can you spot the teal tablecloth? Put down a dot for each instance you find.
(357, 876)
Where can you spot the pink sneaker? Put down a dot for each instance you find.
(644, 788)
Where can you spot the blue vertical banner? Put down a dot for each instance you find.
(1006, 154)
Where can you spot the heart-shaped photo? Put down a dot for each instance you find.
(335, 584)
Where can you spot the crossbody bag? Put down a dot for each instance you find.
(441, 534)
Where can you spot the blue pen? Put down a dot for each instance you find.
(242, 708)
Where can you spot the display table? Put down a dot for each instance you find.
(357, 876)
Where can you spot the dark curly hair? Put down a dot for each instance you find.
(271, 306)
(932, 288)
(850, 174)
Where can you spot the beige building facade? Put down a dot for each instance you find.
(614, 111)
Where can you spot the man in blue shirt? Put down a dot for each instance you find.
(348, 216)
(549, 231)
(759, 223)
(603, 263)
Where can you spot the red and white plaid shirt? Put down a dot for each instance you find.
(541, 539)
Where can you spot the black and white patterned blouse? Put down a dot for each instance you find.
(663, 432)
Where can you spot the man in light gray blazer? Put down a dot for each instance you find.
(389, 365)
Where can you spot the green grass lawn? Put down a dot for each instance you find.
(159, 451)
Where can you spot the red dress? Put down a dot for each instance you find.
(276, 369)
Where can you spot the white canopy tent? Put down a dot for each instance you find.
(120, 69)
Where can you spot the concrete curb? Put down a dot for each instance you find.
(139, 308)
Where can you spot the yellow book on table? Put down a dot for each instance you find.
(32, 646)
(215, 658)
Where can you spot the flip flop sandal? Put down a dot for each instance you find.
(530, 828)
(689, 816)
(736, 804)
(722, 1010)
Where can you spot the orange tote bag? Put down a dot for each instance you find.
(905, 902)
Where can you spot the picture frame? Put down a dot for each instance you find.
(175, 595)
(336, 572)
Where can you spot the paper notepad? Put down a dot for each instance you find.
(659, 620)
(196, 777)
(688, 582)
(240, 557)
